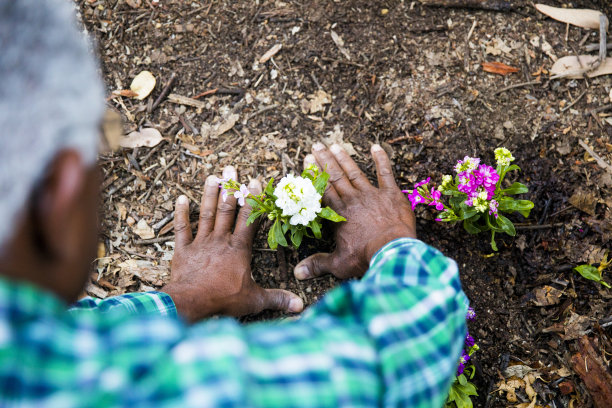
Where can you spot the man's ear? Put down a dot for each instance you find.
(58, 197)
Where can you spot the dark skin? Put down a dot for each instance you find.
(56, 240)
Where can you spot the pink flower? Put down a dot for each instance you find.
(415, 198)
(241, 194)
(422, 182)
(493, 208)
(467, 183)
(486, 176)
(435, 199)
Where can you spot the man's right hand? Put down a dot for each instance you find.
(375, 216)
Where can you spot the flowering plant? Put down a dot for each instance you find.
(294, 205)
(461, 388)
(476, 195)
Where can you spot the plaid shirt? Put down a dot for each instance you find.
(390, 339)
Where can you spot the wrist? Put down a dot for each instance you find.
(190, 306)
(380, 241)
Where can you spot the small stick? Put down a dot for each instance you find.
(399, 139)
(602, 163)
(262, 110)
(206, 93)
(575, 101)
(157, 240)
(163, 93)
(517, 86)
(184, 100)
(595, 46)
(537, 227)
(466, 54)
(161, 223)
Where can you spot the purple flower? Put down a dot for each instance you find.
(467, 183)
(435, 197)
(224, 194)
(460, 368)
(493, 208)
(241, 194)
(415, 198)
(422, 182)
(486, 175)
(465, 357)
(469, 340)
(471, 314)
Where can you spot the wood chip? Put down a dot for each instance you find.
(498, 68)
(590, 366)
(147, 137)
(143, 84)
(270, 53)
(184, 100)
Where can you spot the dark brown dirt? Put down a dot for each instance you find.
(408, 85)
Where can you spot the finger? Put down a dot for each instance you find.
(314, 266)
(278, 299)
(208, 206)
(244, 233)
(327, 162)
(182, 229)
(352, 171)
(226, 209)
(330, 196)
(383, 168)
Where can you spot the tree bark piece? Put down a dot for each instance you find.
(589, 365)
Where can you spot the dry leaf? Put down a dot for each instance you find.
(579, 17)
(584, 201)
(576, 326)
(128, 93)
(546, 296)
(148, 137)
(143, 230)
(145, 270)
(112, 129)
(270, 53)
(510, 387)
(576, 67)
(518, 370)
(496, 47)
(143, 84)
(316, 102)
(134, 3)
(336, 137)
(498, 68)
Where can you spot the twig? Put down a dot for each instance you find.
(188, 194)
(595, 46)
(466, 54)
(599, 109)
(159, 175)
(517, 86)
(262, 110)
(537, 227)
(575, 101)
(355, 64)
(184, 100)
(161, 223)
(493, 5)
(157, 240)
(163, 93)
(602, 163)
(206, 93)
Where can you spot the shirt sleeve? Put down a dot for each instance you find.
(132, 303)
(391, 339)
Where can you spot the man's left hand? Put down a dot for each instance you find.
(211, 273)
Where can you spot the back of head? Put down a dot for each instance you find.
(51, 97)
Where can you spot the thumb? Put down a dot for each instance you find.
(314, 266)
(278, 299)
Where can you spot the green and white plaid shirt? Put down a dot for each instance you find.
(392, 338)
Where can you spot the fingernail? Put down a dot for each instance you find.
(229, 172)
(308, 160)
(182, 200)
(335, 148)
(376, 148)
(317, 147)
(255, 186)
(301, 272)
(212, 180)
(296, 305)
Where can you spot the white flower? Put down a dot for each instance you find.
(298, 199)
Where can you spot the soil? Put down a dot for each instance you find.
(402, 74)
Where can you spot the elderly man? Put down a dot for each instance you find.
(391, 337)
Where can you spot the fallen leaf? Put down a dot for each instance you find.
(148, 137)
(518, 370)
(340, 44)
(498, 68)
(544, 45)
(546, 296)
(496, 47)
(576, 326)
(145, 271)
(128, 93)
(95, 291)
(143, 230)
(226, 124)
(336, 137)
(316, 102)
(575, 67)
(112, 129)
(134, 3)
(143, 84)
(510, 387)
(270, 53)
(563, 372)
(585, 18)
(584, 201)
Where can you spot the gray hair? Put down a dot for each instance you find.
(51, 98)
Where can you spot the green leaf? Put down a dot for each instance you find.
(513, 167)
(272, 240)
(254, 204)
(469, 226)
(462, 379)
(331, 215)
(592, 273)
(506, 225)
(285, 227)
(493, 243)
(270, 187)
(296, 237)
(316, 229)
(279, 237)
(516, 188)
(320, 183)
(253, 216)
